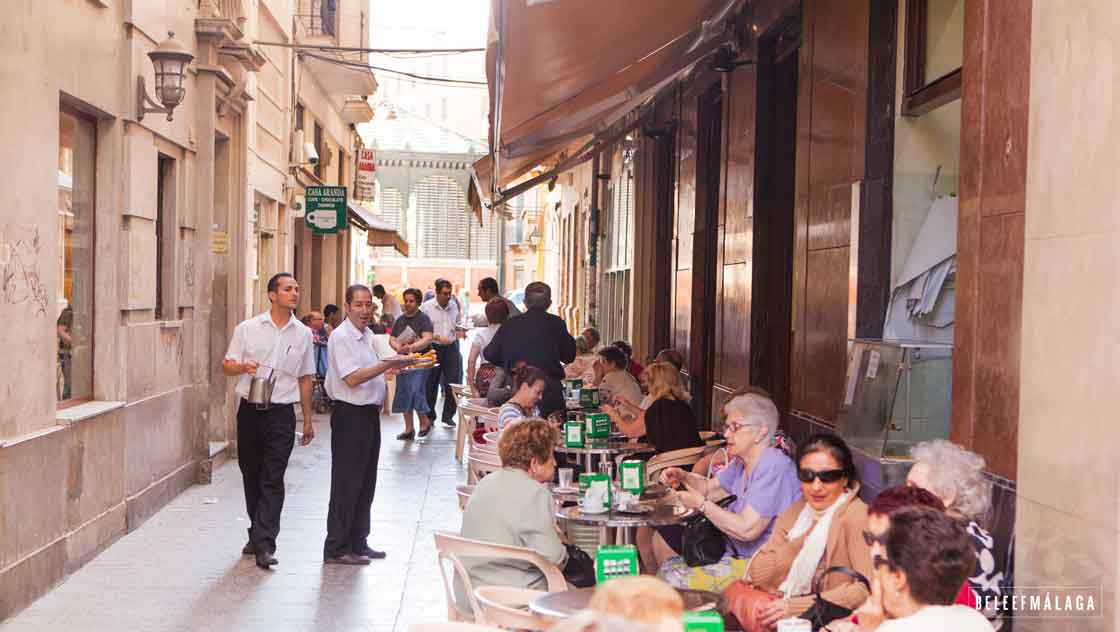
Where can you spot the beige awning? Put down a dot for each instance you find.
(562, 73)
(378, 232)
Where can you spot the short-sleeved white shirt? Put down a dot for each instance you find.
(443, 319)
(289, 350)
(347, 351)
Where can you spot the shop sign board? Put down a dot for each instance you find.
(364, 182)
(326, 209)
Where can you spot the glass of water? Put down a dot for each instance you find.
(566, 477)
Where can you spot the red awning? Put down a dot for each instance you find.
(563, 72)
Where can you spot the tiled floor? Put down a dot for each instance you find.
(183, 569)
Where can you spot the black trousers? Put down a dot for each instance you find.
(355, 447)
(264, 443)
(449, 371)
(552, 399)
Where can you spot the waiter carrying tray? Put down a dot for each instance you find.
(281, 347)
(356, 383)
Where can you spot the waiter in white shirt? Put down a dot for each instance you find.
(277, 343)
(356, 383)
(445, 314)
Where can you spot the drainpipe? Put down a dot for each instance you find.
(593, 248)
(499, 211)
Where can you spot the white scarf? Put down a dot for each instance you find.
(799, 581)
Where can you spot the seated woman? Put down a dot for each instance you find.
(823, 529)
(920, 562)
(632, 365)
(583, 367)
(528, 387)
(763, 480)
(513, 506)
(667, 423)
(956, 476)
(497, 311)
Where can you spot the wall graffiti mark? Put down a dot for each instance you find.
(20, 280)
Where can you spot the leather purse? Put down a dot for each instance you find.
(579, 570)
(823, 611)
(744, 601)
(702, 543)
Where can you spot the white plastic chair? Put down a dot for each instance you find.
(452, 626)
(672, 458)
(453, 549)
(507, 607)
(464, 493)
(480, 464)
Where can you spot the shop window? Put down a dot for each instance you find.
(77, 156)
(934, 52)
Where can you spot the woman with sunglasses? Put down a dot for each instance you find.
(823, 529)
(764, 483)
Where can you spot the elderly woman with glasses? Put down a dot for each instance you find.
(763, 481)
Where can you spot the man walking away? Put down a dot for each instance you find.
(389, 303)
(538, 339)
(277, 344)
(356, 383)
(487, 290)
(445, 315)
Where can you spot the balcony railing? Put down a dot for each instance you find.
(228, 9)
(319, 17)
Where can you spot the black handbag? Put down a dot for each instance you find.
(579, 569)
(702, 543)
(823, 611)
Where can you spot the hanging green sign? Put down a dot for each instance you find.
(326, 209)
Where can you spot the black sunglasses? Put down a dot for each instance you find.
(871, 538)
(826, 476)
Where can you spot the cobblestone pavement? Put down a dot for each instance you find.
(183, 569)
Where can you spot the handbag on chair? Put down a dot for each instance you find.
(579, 570)
(702, 543)
(823, 611)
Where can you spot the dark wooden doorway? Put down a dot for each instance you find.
(709, 134)
(772, 277)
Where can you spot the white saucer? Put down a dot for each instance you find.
(601, 510)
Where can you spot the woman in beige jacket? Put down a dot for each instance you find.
(823, 529)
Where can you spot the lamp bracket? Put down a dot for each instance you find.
(145, 103)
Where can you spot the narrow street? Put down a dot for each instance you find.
(183, 569)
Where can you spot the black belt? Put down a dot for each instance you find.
(267, 408)
(375, 406)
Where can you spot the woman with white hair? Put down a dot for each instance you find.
(763, 480)
(956, 476)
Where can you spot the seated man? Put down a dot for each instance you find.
(613, 377)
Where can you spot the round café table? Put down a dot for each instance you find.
(561, 605)
(603, 448)
(626, 524)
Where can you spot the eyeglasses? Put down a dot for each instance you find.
(731, 427)
(872, 539)
(827, 476)
(879, 560)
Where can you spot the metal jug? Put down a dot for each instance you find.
(260, 388)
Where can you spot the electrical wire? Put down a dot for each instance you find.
(451, 81)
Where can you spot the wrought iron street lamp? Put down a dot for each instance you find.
(170, 60)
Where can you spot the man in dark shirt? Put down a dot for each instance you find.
(538, 339)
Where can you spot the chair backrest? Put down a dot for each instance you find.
(672, 458)
(507, 607)
(453, 549)
(480, 463)
(452, 626)
(464, 493)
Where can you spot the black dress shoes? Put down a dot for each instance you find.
(372, 554)
(348, 559)
(249, 549)
(450, 423)
(266, 559)
(406, 436)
